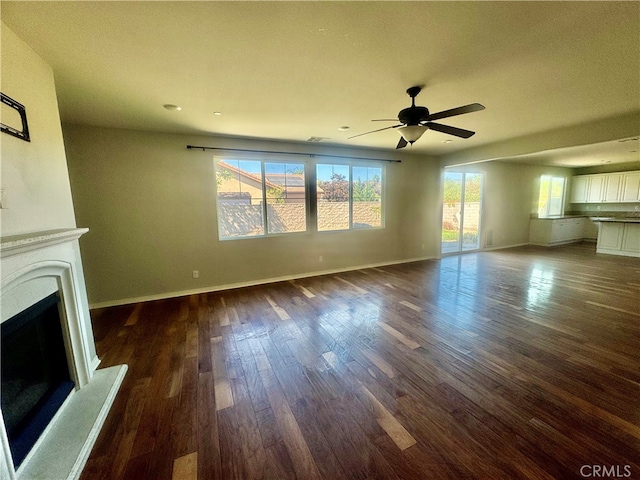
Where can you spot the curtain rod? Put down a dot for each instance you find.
(312, 155)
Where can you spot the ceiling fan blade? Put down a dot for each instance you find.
(474, 107)
(373, 131)
(385, 120)
(402, 143)
(458, 132)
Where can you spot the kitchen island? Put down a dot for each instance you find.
(618, 235)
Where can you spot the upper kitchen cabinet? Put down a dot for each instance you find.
(631, 187)
(579, 188)
(619, 187)
(596, 188)
(612, 187)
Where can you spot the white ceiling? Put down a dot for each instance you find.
(295, 70)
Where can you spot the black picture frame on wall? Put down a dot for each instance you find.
(22, 134)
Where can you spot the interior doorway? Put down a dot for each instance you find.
(461, 208)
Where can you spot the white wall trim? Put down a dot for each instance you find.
(251, 283)
(263, 281)
(489, 249)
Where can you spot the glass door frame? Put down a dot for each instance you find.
(463, 191)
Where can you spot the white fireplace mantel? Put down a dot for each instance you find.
(16, 244)
(33, 266)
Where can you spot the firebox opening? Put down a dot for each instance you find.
(35, 373)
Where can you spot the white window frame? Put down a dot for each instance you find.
(264, 159)
(350, 165)
(546, 213)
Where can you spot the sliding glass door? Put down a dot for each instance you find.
(461, 212)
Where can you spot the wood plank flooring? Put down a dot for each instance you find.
(520, 363)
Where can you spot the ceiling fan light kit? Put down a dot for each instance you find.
(415, 120)
(411, 133)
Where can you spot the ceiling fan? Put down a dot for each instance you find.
(415, 120)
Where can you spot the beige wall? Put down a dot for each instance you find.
(34, 174)
(150, 206)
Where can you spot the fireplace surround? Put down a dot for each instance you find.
(35, 266)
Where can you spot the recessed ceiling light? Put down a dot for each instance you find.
(343, 128)
(217, 114)
(171, 107)
(447, 141)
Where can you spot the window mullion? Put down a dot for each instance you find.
(462, 192)
(265, 221)
(311, 195)
(350, 197)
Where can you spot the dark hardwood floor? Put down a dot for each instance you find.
(520, 363)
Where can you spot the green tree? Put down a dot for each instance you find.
(275, 194)
(365, 191)
(452, 190)
(472, 188)
(336, 189)
(222, 174)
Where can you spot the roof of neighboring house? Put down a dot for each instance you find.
(286, 179)
(292, 182)
(244, 173)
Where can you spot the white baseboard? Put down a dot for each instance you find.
(250, 283)
(263, 281)
(488, 249)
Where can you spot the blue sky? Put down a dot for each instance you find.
(323, 171)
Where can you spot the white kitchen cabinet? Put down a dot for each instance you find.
(630, 191)
(579, 186)
(610, 236)
(618, 187)
(595, 188)
(619, 238)
(631, 238)
(612, 187)
(556, 231)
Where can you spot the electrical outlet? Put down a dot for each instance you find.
(196, 274)
(320, 259)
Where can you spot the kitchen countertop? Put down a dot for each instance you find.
(558, 217)
(616, 219)
(620, 217)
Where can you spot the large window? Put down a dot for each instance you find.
(257, 198)
(349, 197)
(551, 199)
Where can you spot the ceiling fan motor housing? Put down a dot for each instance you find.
(413, 115)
